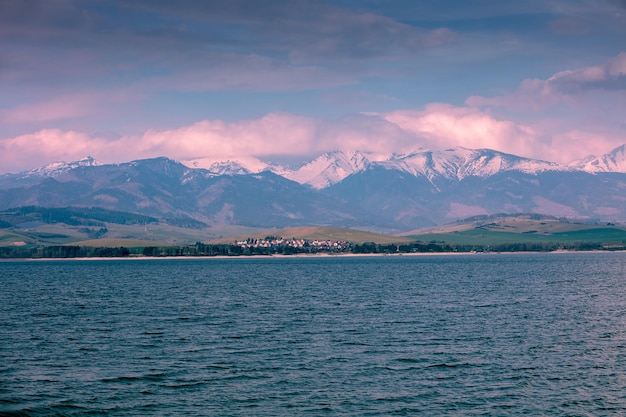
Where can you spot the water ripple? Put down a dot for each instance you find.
(489, 335)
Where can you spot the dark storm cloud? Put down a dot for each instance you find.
(257, 26)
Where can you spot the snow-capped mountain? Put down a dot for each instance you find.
(327, 169)
(228, 168)
(331, 168)
(614, 161)
(60, 167)
(458, 163)
(450, 164)
(347, 189)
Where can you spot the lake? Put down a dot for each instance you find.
(536, 334)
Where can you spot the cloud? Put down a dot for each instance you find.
(58, 108)
(345, 36)
(611, 77)
(81, 42)
(578, 112)
(62, 61)
(67, 106)
(48, 145)
(230, 72)
(280, 136)
(563, 88)
(310, 32)
(273, 136)
(574, 144)
(444, 125)
(288, 136)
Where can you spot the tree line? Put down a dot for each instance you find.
(62, 251)
(442, 247)
(203, 249)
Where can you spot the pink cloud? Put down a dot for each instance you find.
(565, 87)
(532, 94)
(276, 134)
(617, 66)
(575, 112)
(40, 148)
(573, 145)
(555, 140)
(443, 125)
(68, 106)
(56, 109)
(273, 134)
(286, 135)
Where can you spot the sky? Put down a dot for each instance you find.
(287, 80)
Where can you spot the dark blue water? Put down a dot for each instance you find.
(540, 334)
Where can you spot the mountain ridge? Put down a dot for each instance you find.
(332, 167)
(387, 194)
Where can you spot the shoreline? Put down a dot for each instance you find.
(311, 256)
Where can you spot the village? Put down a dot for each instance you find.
(274, 244)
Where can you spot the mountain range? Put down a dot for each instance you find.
(394, 193)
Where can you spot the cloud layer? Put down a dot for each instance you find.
(278, 136)
(279, 79)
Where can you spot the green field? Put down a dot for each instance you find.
(33, 226)
(96, 227)
(116, 235)
(483, 236)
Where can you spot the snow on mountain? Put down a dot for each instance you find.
(455, 164)
(486, 162)
(333, 167)
(458, 163)
(614, 161)
(228, 168)
(57, 168)
(214, 169)
(329, 168)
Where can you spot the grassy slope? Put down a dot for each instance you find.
(519, 230)
(82, 226)
(485, 232)
(164, 235)
(117, 235)
(116, 242)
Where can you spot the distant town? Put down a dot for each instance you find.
(274, 245)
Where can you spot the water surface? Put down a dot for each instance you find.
(536, 334)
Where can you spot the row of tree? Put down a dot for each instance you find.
(202, 249)
(59, 251)
(421, 247)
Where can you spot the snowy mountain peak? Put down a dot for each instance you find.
(329, 168)
(458, 163)
(452, 163)
(228, 168)
(614, 161)
(57, 168)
